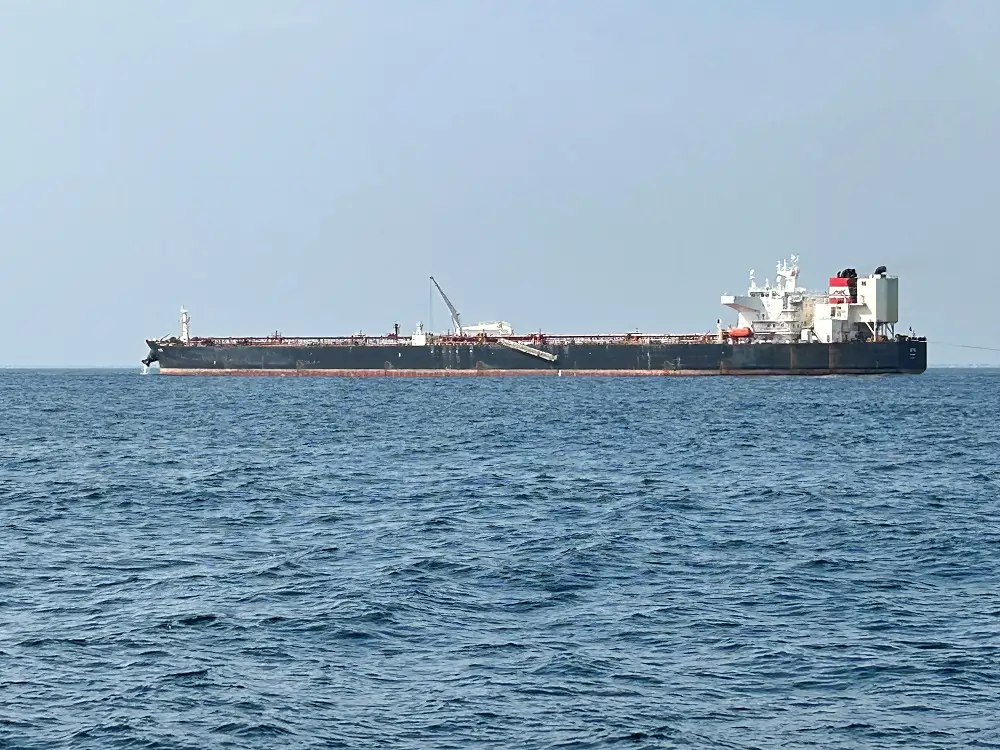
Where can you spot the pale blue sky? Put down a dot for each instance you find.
(572, 166)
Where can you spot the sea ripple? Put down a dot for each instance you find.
(557, 563)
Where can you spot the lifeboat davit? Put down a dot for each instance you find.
(740, 333)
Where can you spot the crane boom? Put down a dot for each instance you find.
(451, 308)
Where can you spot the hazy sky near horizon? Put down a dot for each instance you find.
(574, 166)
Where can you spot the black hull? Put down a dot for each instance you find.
(886, 357)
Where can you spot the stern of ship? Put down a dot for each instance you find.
(912, 354)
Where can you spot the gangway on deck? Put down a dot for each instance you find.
(529, 350)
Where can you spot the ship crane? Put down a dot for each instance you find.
(451, 308)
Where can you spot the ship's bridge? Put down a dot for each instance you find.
(778, 312)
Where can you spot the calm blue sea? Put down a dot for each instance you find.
(536, 563)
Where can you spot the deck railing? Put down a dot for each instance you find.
(434, 340)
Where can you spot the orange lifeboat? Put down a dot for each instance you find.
(740, 333)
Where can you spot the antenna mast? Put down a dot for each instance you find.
(185, 325)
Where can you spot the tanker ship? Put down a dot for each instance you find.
(780, 329)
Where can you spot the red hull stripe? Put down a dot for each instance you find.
(491, 373)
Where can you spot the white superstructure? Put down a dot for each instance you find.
(491, 328)
(853, 308)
